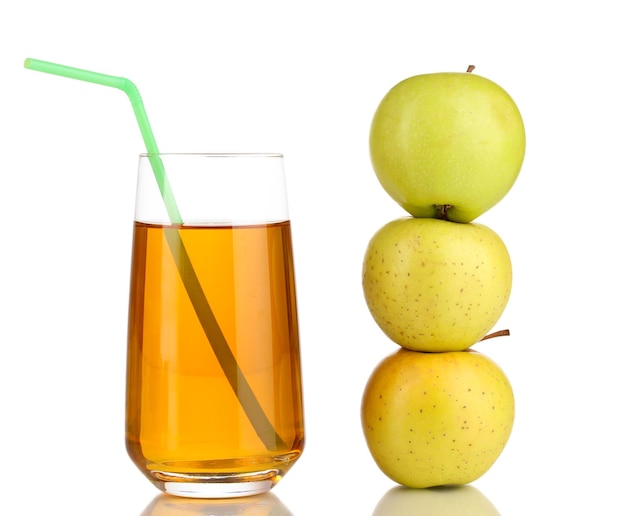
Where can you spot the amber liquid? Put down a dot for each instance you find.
(190, 414)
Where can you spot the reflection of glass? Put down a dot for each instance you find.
(214, 403)
(266, 504)
(440, 501)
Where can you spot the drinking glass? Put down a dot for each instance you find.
(213, 398)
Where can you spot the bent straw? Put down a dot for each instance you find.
(131, 90)
(212, 330)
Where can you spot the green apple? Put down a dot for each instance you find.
(447, 142)
(433, 419)
(439, 501)
(436, 285)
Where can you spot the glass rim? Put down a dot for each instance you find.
(216, 154)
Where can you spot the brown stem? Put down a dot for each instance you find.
(470, 68)
(442, 210)
(500, 333)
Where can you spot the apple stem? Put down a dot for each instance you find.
(443, 210)
(470, 68)
(500, 333)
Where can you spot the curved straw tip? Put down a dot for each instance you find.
(27, 62)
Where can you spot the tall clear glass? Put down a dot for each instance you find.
(214, 399)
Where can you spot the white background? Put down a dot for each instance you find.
(304, 78)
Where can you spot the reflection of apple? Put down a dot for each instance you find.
(447, 139)
(435, 285)
(439, 501)
(433, 419)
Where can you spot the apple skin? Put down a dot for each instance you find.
(433, 419)
(436, 285)
(454, 139)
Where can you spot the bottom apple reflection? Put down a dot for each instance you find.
(265, 504)
(440, 501)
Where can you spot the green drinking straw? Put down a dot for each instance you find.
(131, 90)
(223, 353)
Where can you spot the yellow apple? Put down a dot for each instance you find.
(433, 419)
(436, 285)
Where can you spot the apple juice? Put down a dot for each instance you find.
(183, 415)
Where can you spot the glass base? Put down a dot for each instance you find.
(227, 485)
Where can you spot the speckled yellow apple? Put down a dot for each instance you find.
(432, 419)
(436, 285)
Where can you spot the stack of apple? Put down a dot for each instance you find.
(447, 147)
